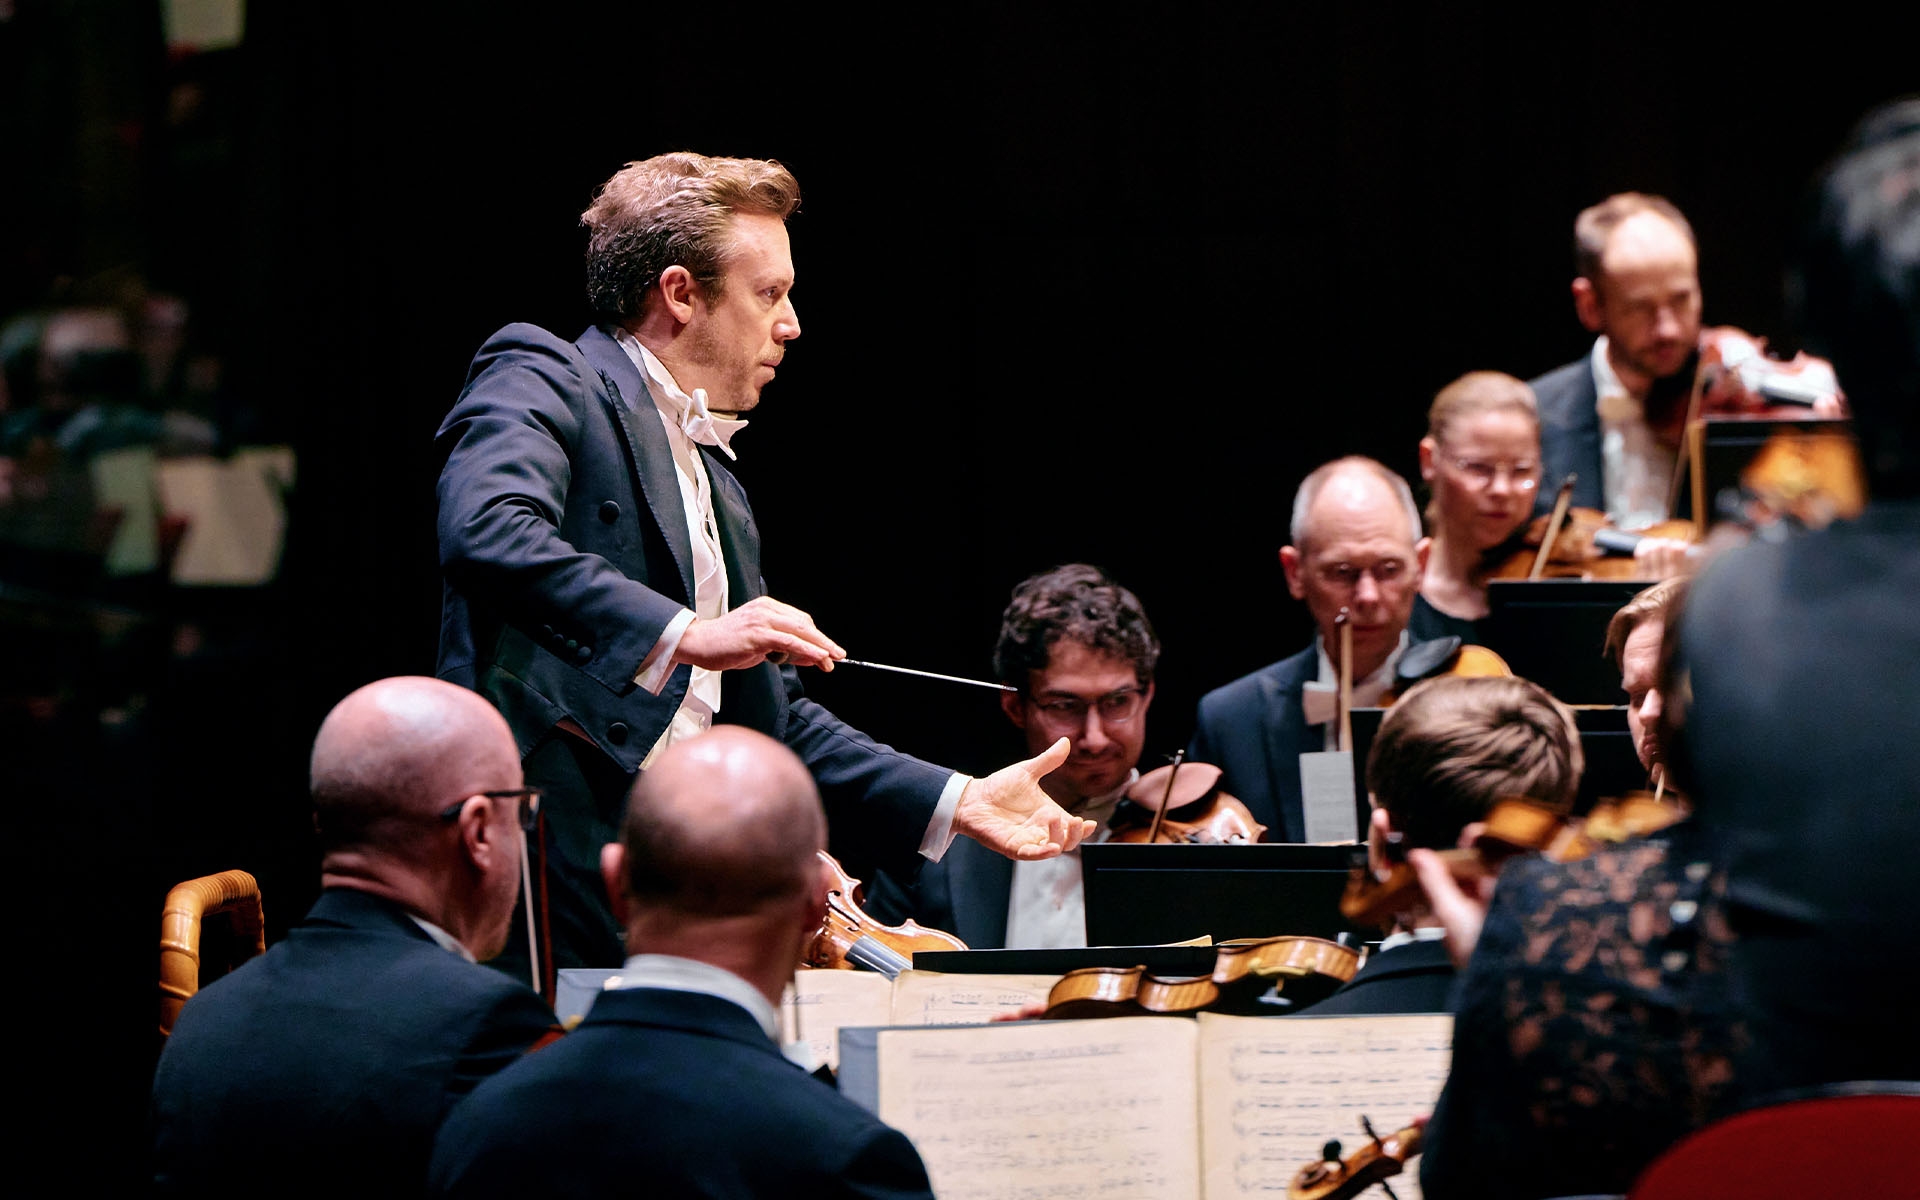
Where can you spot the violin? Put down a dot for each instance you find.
(1738, 376)
(1250, 976)
(1513, 826)
(1182, 804)
(1574, 542)
(848, 938)
(1441, 656)
(1336, 1178)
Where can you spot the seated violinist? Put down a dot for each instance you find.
(1592, 1025)
(1356, 548)
(674, 1084)
(1634, 640)
(1481, 463)
(1613, 418)
(1081, 651)
(1447, 751)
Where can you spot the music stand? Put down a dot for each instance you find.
(1720, 448)
(1138, 894)
(1554, 632)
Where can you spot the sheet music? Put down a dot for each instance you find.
(943, 998)
(1061, 1110)
(1326, 795)
(818, 1003)
(1275, 1090)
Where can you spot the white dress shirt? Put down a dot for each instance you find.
(1046, 906)
(1320, 699)
(1636, 470)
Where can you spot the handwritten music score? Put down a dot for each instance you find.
(1277, 1090)
(1212, 1107)
(1056, 1109)
(934, 998)
(820, 1003)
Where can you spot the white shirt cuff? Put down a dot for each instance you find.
(940, 829)
(657, 666)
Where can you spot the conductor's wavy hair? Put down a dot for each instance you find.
(674, 210)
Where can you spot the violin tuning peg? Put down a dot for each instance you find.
(1331, 1151)
(1387, 1190)
(1367, 1126)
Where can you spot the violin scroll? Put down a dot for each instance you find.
(1336, 1178)
(849, 939)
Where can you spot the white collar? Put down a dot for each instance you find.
(442, 938)
(689, 412)
(1611, 399)
(1320, 697)
(690, 975)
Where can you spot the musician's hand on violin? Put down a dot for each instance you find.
(1663, 558)
(1461, 912)
(1008, 813)
(760, 629)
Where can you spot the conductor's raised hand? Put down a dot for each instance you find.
(760, 629)
(1007, 812)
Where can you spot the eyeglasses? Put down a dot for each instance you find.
(1480, 474)
(529, 806)
(1070, 712)
(1385, 573)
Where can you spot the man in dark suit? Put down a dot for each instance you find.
(602, 567)
(1081, 652)
(327, 1064)
(1356, 547)
(1447, 752)
(1637, 286)
(674, 1080)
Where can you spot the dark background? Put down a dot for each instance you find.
(1095, 284)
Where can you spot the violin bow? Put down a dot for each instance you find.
(1561, 503)
(1153, 830)
(1345, 622)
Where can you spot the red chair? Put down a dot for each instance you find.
(1851, 1139)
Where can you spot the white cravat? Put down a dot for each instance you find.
(1046, 906)
(1320, 699)
(1636, 470)
(686, 420)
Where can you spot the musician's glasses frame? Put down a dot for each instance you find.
(529, 806)
(1070, 712)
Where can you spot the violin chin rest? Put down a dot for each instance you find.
(1423, 659)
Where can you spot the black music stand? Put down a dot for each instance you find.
(1138, 894)
(1554, 632)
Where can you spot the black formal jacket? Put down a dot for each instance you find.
(1569, 434)
(565, 551)
(1255, 730)
(668, 1093)
(324, 1066)
(966, 893)
(1801, 737)
(1414, 977)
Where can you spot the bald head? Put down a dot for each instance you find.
(400, 750)
(1356, 549)
(722, 825)
(1338, 490)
